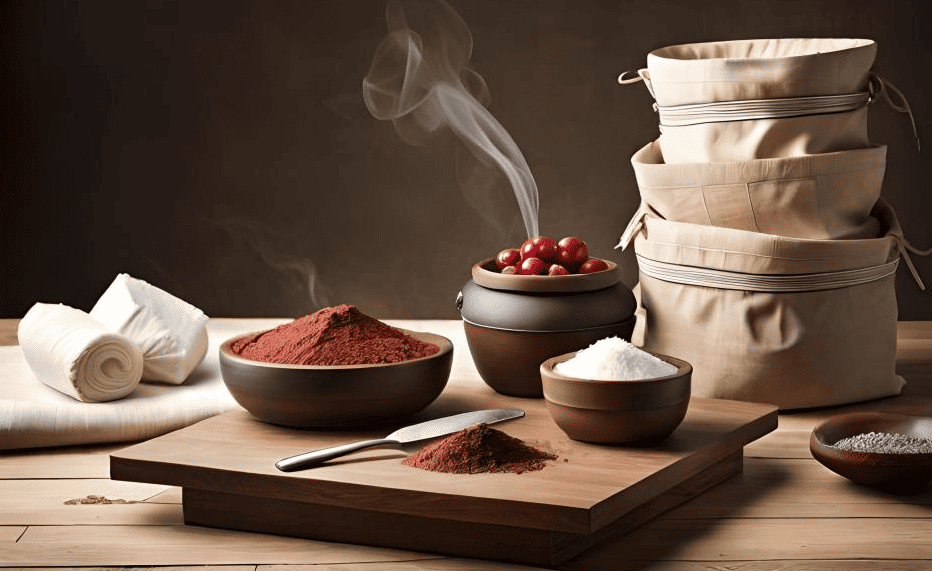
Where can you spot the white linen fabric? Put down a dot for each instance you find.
(33, 415)
(171, 332)
(75, 354)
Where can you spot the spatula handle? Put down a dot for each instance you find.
(317, 457)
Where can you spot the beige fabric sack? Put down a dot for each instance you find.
(819, 197)
(749, 99)
(793, 322)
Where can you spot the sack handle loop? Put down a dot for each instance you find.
(629, 80)
(879, 88)
(643, 74)
(636, 225)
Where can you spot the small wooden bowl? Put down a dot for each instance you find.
(897, 473)
(642, 412)
(349, 396)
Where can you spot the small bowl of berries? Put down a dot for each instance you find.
(542, 299)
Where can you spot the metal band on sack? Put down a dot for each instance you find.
(752, 109)
(773, 283)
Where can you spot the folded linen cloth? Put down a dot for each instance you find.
(76, 355)
(32, 415)
(171, 332)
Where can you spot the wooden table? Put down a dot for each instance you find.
(785, 511)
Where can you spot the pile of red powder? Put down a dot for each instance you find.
(477, 449)
(340, 335)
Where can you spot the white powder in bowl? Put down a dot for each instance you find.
(614, 359)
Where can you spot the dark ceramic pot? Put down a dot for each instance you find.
(514, 323)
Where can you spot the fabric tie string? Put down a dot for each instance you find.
(905, 248)
(879, 88)
(771, 283)
(635, 225)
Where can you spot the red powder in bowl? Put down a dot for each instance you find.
(340, 335)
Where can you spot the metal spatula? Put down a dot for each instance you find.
(401, 437)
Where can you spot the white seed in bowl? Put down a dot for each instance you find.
(885, 443)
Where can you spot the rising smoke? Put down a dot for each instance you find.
(420, 80)
(268, 246)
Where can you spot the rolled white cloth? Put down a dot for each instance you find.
(171, 332)
(33, 416)
(73, 353)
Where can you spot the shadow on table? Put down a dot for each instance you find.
(673, 535)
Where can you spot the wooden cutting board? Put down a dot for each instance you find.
(225, 466)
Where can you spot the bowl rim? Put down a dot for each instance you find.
(482, 275)
(683, 368)
(445, 345)
(818, 446)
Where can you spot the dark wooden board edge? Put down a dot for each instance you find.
(606, 512)
(432, 535)
(126, 465)
(291, 489)
(565, 548)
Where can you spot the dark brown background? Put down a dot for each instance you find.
(221, 149)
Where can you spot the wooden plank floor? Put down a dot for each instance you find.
(785, 511)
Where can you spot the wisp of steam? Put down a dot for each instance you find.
(420, 80)
(260, 238)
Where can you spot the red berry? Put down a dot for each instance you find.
(593, 265)
(507, 257)
(572, 253)
(557, 270)
(509, 270)
(543, 247)
(533, 267)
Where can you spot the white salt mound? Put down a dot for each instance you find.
(614, 359)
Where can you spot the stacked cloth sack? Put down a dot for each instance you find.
(766, 254)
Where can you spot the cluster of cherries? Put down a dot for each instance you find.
(542, 256)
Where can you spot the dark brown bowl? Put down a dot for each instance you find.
(897, 473)
(509, 361)
(642, 412)
(348, 396)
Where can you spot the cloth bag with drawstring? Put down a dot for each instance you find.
(792, 322)
(750, 99)
(766, 254)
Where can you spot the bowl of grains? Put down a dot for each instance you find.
(615, 393)
(884, 450)
(336, 368)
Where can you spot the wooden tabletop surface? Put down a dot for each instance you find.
(785, 511)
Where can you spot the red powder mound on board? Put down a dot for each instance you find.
(340, 335)
(477, 449)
